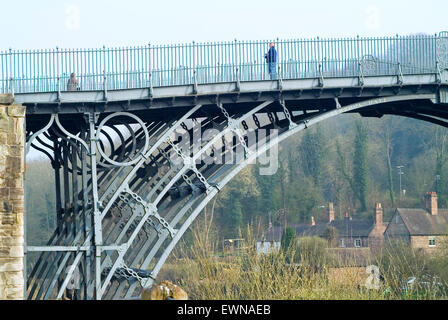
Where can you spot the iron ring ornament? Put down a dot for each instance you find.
(103, 153)
(442, 49)
(368, 64)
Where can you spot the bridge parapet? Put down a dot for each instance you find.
(107, 69)
(12, 168)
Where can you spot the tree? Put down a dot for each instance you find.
(312, 252)
(235, 219)
(304, 197)
(341, 165)
(312, 151)
(288, 238)
(360, 164)
(331, 234)
(440, 184)
(267, 201)
(388, 148)
(237, 201)
(435, 140)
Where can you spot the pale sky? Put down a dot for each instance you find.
(26, 24)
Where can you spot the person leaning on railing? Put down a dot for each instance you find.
(271, 60)
(73, 83)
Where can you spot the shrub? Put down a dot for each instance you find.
(288, 238)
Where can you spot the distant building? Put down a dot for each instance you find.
(270, 241)
(421, 228)
(348, 232)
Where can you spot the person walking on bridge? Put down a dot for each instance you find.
(271, 60)
(73, 83)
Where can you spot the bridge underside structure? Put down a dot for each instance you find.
(134, 167)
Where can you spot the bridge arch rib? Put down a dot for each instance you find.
(143, 213)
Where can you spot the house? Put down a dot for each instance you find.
(351, 233)
(270, 241)
(421, 228)
(347, 232)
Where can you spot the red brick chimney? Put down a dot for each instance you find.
(376, 236)
(313, 223)
(431, 203)
(330, 212)
(378, 214)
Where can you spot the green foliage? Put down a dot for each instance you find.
(360, 164)
(304, 198)
(312, 154)
(267, 201)
(235, 218)
(288, 238)
(242, 189)
(441, 181)
(40, 205)
(331, 234)
(388, 154)
(40, 202)
(312, 251)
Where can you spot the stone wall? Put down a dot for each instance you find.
(12, 167)
(423, 242)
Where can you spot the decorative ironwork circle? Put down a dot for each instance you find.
(140, 122)
(368, 64)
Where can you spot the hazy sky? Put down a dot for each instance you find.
(92, 23)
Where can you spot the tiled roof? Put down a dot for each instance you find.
(421, 222)
(345, 228)
(352, 228)
(304, 229)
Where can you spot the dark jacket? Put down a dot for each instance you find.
(271, 56)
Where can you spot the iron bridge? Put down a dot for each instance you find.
(127, 187)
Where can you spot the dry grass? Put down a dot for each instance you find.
(292, 275)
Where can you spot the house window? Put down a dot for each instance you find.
(397, 219)
(342, 243)
(357, 243)
(432, 241)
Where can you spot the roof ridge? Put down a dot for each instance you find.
(404, 221)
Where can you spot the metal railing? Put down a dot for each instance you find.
(28, 71)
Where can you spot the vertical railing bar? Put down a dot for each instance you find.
(103, 65)
(58, 69)
(194, 67)
(120, 56)
(150, 67)
(53, 71)
(211, 61)
(116, 66)
(237, 76)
